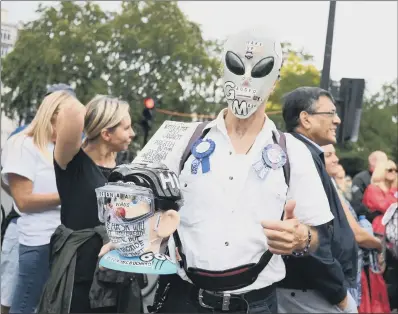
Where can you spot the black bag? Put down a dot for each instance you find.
(6, 220)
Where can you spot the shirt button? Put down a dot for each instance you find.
(230, 153)
(293, 294)
(231, 178)
(185, 185)
(226, 243)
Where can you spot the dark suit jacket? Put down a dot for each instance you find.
(332, 268)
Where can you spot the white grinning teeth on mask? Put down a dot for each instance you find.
(246, 93)
(243, 92)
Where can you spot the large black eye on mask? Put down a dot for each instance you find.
(234, 63)
(263, 67)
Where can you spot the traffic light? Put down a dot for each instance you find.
(149, 103)
(349, 108)
(147, 113)
(147, 117)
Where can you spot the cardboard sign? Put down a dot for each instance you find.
(168, 144)
(147, 263)
(389, 213)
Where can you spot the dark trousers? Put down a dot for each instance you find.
(183, 297)
(391, 279)
(80, 302)
(129, 299)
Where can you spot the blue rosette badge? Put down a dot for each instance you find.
(272, 157)
(201, 150)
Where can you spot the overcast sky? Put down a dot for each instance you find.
(365, 36)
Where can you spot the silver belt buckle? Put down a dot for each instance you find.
(226, 297)
(200, 298)
(226, 301)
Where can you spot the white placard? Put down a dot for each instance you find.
(389, 213)
(168, 144)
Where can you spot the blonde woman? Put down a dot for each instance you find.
(81, 168)
(382, 191)
(28, 171)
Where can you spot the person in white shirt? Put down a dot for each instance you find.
(29, 172)
(10, 243)
(9, 253)
(231, 236)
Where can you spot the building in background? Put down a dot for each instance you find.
(9, 35)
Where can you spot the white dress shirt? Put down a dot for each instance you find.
(221, 217)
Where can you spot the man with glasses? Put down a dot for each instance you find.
(319, 282)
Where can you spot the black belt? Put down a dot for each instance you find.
(227, 302)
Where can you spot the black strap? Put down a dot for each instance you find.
(7, 220)
(198, 133)
(282, 144)
(230, 279)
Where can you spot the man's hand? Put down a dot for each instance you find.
(343, 304)
(288, 235)
(105, 249)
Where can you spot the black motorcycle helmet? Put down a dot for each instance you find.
(157, 177)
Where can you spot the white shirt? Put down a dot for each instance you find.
(221, 218)
(312, 142)
(22, 157)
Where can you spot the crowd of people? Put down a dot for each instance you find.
(273, 225)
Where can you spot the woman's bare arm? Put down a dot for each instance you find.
(70, 125)
(363, 238)
(27, 201)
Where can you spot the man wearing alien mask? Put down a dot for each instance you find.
(251, 194)
(251, 71)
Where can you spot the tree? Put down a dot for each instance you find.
(150, 49)
(378, 128)
(157, 52)
(68, 43)
(297, 70)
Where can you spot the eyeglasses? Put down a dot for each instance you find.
(391, 170)
(332, 113)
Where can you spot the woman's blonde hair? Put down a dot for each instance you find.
(103, 112)
(41, 128)
(379, 174)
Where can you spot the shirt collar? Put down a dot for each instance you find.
(312, 142)
(219, 123)
(334, 183)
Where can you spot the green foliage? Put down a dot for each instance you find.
(297, 71)
(378, 128)
(157, 52)
(63, 45)
(150, 49)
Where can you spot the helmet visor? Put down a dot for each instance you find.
(124, 203)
